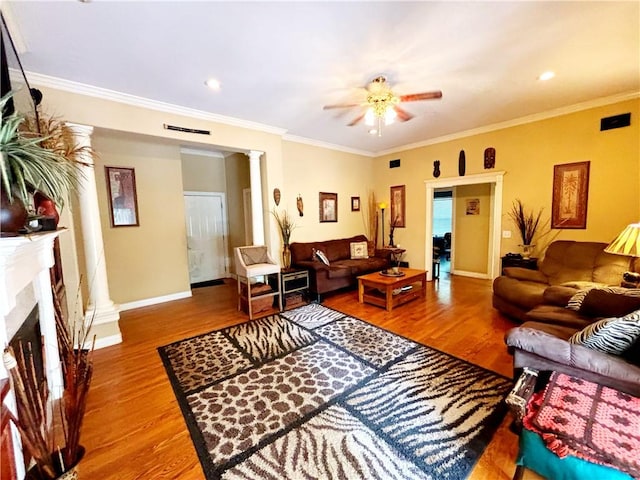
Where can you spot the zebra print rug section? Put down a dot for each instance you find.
(315, 394)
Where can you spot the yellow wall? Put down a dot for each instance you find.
(471, 232)
(149, 260)
(527, 153)
(137, 263)
(203, 173)
(237, 170)
(309, 170)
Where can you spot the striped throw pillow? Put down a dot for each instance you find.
(575, 302)
(610, 335)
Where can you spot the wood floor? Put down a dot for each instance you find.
(134, 429)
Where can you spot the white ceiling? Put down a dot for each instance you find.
(280, 62)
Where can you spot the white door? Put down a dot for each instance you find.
(206, 235)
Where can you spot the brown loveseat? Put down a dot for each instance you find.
(567, 266)
(342, 271)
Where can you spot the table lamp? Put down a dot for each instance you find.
(382, 206)
(628, 243)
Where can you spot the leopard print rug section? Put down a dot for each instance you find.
(315, 394)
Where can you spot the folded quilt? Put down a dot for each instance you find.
(587, 420)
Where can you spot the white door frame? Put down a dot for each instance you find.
(496, 181)
(225, 223)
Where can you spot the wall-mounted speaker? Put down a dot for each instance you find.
(617, 121)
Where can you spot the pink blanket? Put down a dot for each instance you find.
(587, 420)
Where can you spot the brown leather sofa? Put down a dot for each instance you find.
(567, 266)
(342, 271)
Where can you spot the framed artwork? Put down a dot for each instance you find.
(398, 206)
(570, 195)
(123, 200)
(328, 207)
(473, 206)
(355, 204)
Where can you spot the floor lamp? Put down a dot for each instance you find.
(382, 206)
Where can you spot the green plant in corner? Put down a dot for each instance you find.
(30, 163)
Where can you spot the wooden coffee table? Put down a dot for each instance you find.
(377, 289)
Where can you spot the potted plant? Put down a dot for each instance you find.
(32, 162)
(527, 223)
(52, 440)
(286, 224)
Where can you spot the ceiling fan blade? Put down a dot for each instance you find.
(403, 115)
(341, 105)
(356, 120)
(414, 97)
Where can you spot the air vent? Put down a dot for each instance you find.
(617, 121)
(394, 163)
(186, 130)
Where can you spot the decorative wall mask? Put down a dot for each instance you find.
(436, 168)
(462, 163)
(276, 196)
(490, 157)
(299, 205)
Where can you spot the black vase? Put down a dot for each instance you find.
(13, 215)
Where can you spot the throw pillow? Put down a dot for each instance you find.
(358, 250)
(601, 303)
(575, 302)
(319, 254)
(610, 335)
(254, 255)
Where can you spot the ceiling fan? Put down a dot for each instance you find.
(382, 105)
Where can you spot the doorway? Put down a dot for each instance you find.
(495, 180)
(442, 228)
(206, 218)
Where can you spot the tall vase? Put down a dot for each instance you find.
(286, 257)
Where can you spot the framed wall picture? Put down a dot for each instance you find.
(570, 195)
(123, 201)
(328, 207)
(473, 206)
(355, 204)
(398, 206)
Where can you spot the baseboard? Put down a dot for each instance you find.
(154, 301)
(108, 341)
(463, 273)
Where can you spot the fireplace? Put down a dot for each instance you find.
(29, 334)
(27, 312)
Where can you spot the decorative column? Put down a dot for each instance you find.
(256, 197)
(100, 307)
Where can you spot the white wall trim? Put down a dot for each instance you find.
(330, 146)
(464, 273)
(154, 301)
(108, 341)
(112, 95)
(201, 152)
(536, 117)
(496, 179)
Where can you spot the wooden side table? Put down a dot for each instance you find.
(509, 261)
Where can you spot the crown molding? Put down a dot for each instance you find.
(112, 95)
(330, 146)
(536, 117)
(201, 152)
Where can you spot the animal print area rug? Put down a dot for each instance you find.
(314, 394)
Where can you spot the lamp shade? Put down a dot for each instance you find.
(382, 205)
(627, 243)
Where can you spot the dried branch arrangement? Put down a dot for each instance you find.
(526, 222)
(286, 224)
(34, 420)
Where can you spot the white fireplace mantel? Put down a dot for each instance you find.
(24, 274)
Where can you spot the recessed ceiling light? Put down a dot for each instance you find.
(213, 84)
(546, 76)
(373, 131)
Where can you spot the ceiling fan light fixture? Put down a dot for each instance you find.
(390, 115)
(369, 117)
